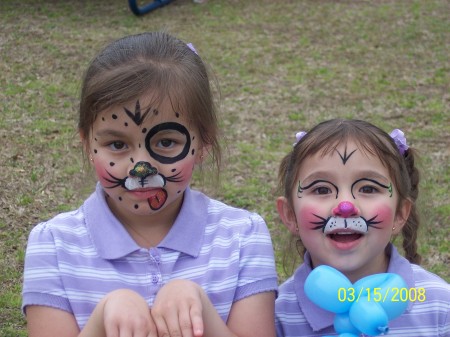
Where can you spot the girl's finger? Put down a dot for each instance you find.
(185, 323)
(124, 332)
(160, 323)
(196, 319)
(111, 330)
(152, 331)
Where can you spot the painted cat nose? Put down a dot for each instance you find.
(143, 169)
(345, 209)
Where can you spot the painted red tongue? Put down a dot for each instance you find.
(157, 201)
(345, 237)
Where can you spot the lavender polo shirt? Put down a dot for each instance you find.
(297, 316)
(76, 258)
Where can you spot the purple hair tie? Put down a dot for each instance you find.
(191, 47)
(299, 135)
(400, 140)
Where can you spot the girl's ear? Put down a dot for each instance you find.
(402, 215)
(202, 153)
(84, 143)
(287, 215)
(81, 134)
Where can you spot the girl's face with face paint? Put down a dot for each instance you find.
(345, 210)
(144, 157)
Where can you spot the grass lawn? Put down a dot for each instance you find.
(282, 66)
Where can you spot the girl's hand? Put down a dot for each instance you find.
(178, 309)
(126, 313)
(121, 313)
(183, 309)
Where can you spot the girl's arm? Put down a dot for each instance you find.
(120, 313)
(182, 308)
(46, 321)
(253, 316)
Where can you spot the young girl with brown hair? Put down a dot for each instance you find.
(145, 255)
(348, 189)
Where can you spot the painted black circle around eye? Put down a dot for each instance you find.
(168, 126)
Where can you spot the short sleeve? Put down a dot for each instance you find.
(42, 283)
(257, 272)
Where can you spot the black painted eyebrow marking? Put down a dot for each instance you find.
(389, 188)
(136, 115)
(300, 189)
(346, 156)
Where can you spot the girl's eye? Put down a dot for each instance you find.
(165, 143)
(322, 190)
(368, 189)
(116, 146)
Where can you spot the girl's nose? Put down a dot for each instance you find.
(345, 209)
(143, 169)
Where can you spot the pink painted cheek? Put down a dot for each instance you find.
(384, 214)
(102, 174)
(307, 216)
(183, 171)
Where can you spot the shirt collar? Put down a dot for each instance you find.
(187, 232)
(113, 241)
(401, 266)
(317, 317)
(110, 238)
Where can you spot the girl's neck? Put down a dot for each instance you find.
(149, 230)
(378, 265)
(147, 236)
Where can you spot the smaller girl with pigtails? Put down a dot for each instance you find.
(348, 189)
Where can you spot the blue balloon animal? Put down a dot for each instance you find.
(363, 307)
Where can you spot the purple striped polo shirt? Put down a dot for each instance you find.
(297, 316)
(76, 258)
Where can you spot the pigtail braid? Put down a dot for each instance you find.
(410, 230)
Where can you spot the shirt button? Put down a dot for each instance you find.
(155, 279)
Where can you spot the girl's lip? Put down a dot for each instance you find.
(345, 240)
(144, 193)
(144, 189)
(345, 231)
